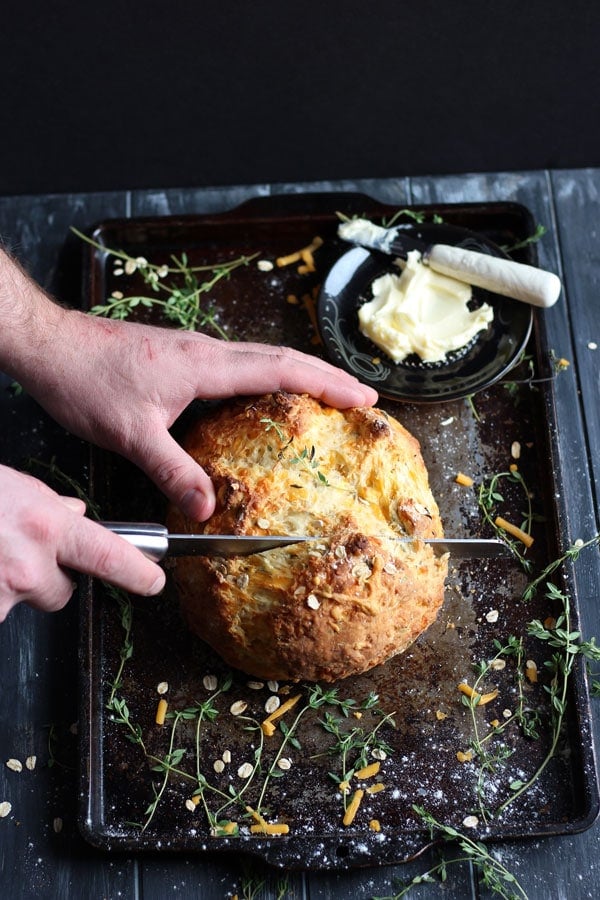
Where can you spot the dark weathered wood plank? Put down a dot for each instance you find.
(544, 867)
(387, 881)
(185, 201)
(188, 201)
(210, 879)
(577, 199)
(38, 654)
(41, 852)
(36, 230)
(387, 190)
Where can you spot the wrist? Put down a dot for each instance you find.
(31, 320)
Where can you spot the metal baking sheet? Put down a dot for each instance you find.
(483, 605)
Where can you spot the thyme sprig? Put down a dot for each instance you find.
(305, 458)
(513, 385)
(538, 234)
(490, 752)
(125, 607)
(557, 364)
(166, 765)
(413, 215)
(175, 762)
(417, 216)
(60, 478)
(571, 553)
(352, 747)
(568, 645)
(121, 715)
(494, 875)
(489, 495)
(252, 885)
(177, 290)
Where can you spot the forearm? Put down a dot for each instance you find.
(30, 322)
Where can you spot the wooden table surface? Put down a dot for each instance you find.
(42, 854)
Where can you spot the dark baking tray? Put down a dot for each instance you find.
(117, 781)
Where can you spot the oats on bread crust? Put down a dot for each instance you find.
(323, 610)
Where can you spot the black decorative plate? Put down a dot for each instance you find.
(486, 359)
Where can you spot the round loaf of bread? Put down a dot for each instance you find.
(329, 608)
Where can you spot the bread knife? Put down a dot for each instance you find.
(502, 276)
(156, 542)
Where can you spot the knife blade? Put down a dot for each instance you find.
(156, 542)
(502, 276)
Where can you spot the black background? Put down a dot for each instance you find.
(157, 94)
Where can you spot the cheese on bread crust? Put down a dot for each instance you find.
(322, 610)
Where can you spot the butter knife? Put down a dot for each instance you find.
(502, 276)
(156, 542)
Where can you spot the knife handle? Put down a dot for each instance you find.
(502, 276)
(150, 538)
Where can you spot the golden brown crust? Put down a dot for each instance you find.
(323, 610)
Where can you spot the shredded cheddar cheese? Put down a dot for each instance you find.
(288, 260)
(375, 788)
(255, 815)
(304, 255)
(267, 828)
(468, 691)
(308, 303)
(161, 711)
(267, 726)
(487, 698)
(264, 827)
(463, 479)
(368, 771)
(478, 699)
(352, 808)
(514, 530)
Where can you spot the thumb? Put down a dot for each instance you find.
(178, 476)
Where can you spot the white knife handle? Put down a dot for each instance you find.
(502, 276)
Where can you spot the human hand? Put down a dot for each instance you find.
(122, 385)
(44, 535)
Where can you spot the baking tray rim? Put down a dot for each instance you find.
(273, 851)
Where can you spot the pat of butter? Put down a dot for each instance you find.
(422, 312)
